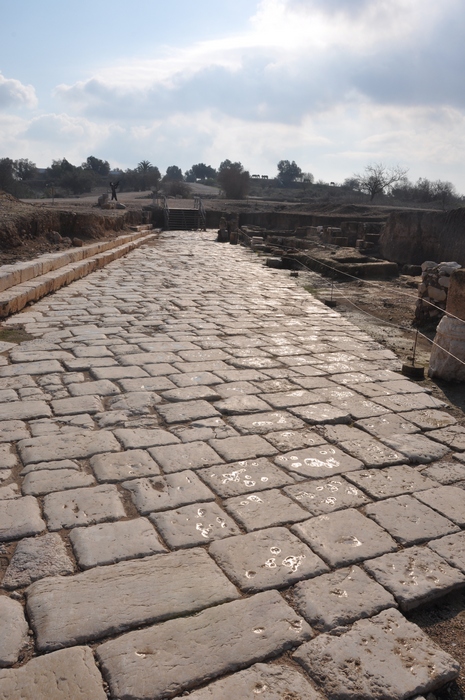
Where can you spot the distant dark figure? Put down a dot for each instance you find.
(113, 186)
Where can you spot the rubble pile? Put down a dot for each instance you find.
(433, 290)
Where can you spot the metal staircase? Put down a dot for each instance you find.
(177, 218)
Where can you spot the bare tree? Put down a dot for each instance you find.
(378, 178)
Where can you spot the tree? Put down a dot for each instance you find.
(174, 174)
(149, 175)
(200, 171)
(443, 191)
(99, 167)
(7, 181)
(233, 179)
(288, 172)
(24, 169)
(378, 178)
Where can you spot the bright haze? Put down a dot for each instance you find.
(331, 84)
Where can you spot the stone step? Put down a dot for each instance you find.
(43, 276)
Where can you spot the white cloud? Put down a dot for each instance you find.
(14, 94)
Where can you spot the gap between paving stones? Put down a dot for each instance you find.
(227, 428)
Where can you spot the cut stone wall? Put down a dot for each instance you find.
(433, 291)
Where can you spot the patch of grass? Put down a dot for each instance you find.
(14, 335)
(311, 289)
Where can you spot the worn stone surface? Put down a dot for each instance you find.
(322, 413)
(108, 543)
(239, 448)
(415, 575)
(349, 668)
(194, 525)
(276, 682)
(448, 500)
(409, 521)
(99, 388)
(387, 425)
(394, 481)
(101, 601)
(7, 457)
(261, 423)
(452, 436)
(318, 462)
(186, 411)
(264, 509)
(325, 495)
(344, 537)
(118, 466)
(14, 631)
(43, 481)
(68, 674)
(168, 658)
(245, 476)
(59, 464)
(132, 438)
(271, 558)
(170, 491)
(430, 419)
(452, 549)
(35, 558)
(190, 455)
(24, 410)
(76, 444)
(287, 440)
(339, 598)
(11, 430)
(84, 506)
(80, 404)
(417, 448)
(20, 517)
(445, 472)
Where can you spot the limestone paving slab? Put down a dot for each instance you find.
(418, 449)
(261, 423)
(35, 558)
(372, 452)
(271, 558)
(191, 393)
(117, 372)
(147, 384)
(448, 500)
(275, 681)
(340, 598)
(82, 404)
(194, 525)
(118, 466)
(99, 388)
(430, 419)
(74, 445)
(398, 403)
(186, 411)
(287, 440)
(108, 543)
(409, 521)
(452, 436)
(7, 457)
(393, 481)
(322, 413)
(189, 455)
(388, 425)
(83, 506)
(452, 549)
(239, 448)
(53, 465)
(14, 631)
(110, 599)
(296, 397)
(241, 404)
(344, 537)
(190, 379)
(245, 476)
(24, 410)
(13, 430)
(415, 576)
(43, 481)
(31, 368)
(166, 659)
(445, 472)
(326, 495)
(68, 674)
(383, 657)
(264, 509)
(317, 462)
(20, 517)
(167, 492)
(204, 429)
(134, 438)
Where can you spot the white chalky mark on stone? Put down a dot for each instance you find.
(221, 522)
(142, 656)
(352, 540)
(275, 550)
(331, 501)
(341, 593)
(250, 574)
(352, 491)
(295, 625)
(249, 484)
(259, 630)
(233, 476)
(264, 479)
(293, 563)
(260, 688)
(201, 513)
(271, 563)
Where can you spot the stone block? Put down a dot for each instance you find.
(417, 448)
(388, 424)
(186, 411)
(194, 525)
(326, 495)
(73, 445)
(191, 455)
(43, 481)
(239, 448)
(322, 413)
(133, 438)
(84, 506)
(24, 410)
(167, 492)
(264, 509)
(118, 466)
(80, 404)
(394, 481)
(452, 436)
(100, 388)
(318, 462)
(191, 393)
(31, 368)
(372, 452)
(108, 600)
(14, 631)
(20, 517)
(287, 440)
(445, 472)
(245, 476)
(260, 423)
(35, 558)
(447, 500)
(13, 430)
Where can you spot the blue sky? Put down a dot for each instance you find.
(331, 84)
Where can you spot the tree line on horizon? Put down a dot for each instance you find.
(23, 179)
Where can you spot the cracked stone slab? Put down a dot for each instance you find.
(13, 430)
(417, 448)
(387, 425)
(415, 576)
(84, 506)
(133, 438)
(204, 429)
(409, 402)
(409, 521)
(43, 481)
(166, 492)
(166, 659)
(100, 388)
(192, 393)
(383, 657)
(24, 410)
(245, 447)
(340, 598)
(108, 543)
(322, 413)
(230, 389)
(20, 517)
(430, 419)
(372, 452)
(272, 558)
(242, 404)
(190, 455)
(73, 445)
(118, 466)
(445, 472)
(394, 481)
(447, 500)
(14, 631)
(344, 537)
(35, 558)
(264, 509)
(317, 462)
(326, 495)
(53, 465)
(296, 397)
(194, 525)
(452, 549)
(68, 674)
(245, 476)
(273, 680)
(186, 411)
(260, 423)
(107, 600)
(453, 437)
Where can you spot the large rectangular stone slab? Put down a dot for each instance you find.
(383, 657)
(31, 368)
(68, 674)
(447, 500)
(190, 455)
(164, 660)
(240, 448)
(36, 557)
(261, 423)
(20, 517)
(318, 462)
(186, 411)
(72, 445)
(118, 466)
(244, 477)
(24, 410)
(144, 437)
(264, 509)
(83, 506)
(325, 495)
(166, 492)
(108, 600)
(394, 481)
(194, 525)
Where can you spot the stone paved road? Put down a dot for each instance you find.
(211, 482)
